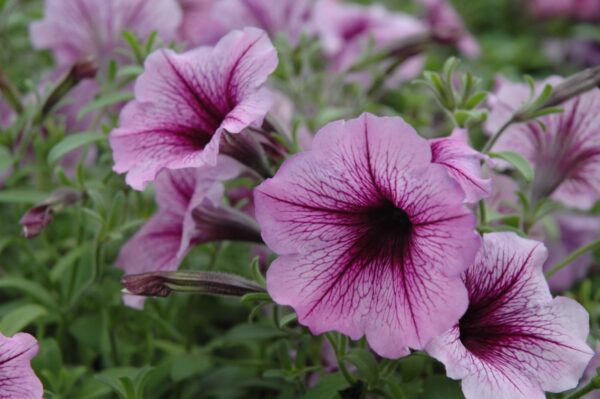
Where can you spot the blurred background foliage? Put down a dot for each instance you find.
(63, 286)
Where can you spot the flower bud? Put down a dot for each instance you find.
(38, 217)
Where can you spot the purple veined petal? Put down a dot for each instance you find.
(17, 379)
(514, 341)
(566, 155)
(78, 29)
(463, 163)
(372, 236)
(184, 103)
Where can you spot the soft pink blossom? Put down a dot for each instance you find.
(565, 154)
(184, 103)
(463, 163)
(78, 29)
(348, 31)
(515, 341)
(371, 235)
(17, 379)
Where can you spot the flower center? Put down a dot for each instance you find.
(388, 221)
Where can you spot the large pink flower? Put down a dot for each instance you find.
(290, 18)
(78, 29)
(514, 341)
(347, 31)
(190, 212)
(372, 236)
(185, 103)
(566, 154)
(17, 379)
(463, 164)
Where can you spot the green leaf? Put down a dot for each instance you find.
(186, 365)
(130, 70)
(475, 100)
(252, 332)
(19, 318)
(6, 159)
(31, 288)
(72, 142)
(365, 363)
(328, 387)
(21, 196)
(440, 387)
(516, 160)
(287, 319)
(105, 101)
(66, 262)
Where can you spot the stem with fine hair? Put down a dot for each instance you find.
(592, 386)
(572, 256)
(338, 349)
(490, 143)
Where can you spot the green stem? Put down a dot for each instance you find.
(488, 146)
(482, 214)
(574, 255)
(338, 349)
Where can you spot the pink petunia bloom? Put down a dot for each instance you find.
(17, 379)
(514, 341)
(586, 10)
(448, 27)
(574, 231)
(289, 18)
(200, 26)
(78, 29)
(566, 154)
(185, 103)
(190, 212)
(372, 236)
(463, 163)
(347, 31)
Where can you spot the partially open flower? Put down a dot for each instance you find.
(565, 150)
(372, 235)
(514, 341)
(186, 102)
(463, 163)
(77, 29)
(40, 216)
(190, 212)
(17, 379)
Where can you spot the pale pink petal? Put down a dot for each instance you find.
(17, 379)
(463, 163)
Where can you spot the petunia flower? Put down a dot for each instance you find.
(574, 231)
(565, 150)
(289, 18)
(78, 29)
(514, 341)
(190, 212)
(347, 31)
(371, 236)
(447, 27)
(185, 103)
(463, 163)
(17, 379)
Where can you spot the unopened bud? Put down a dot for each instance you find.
(161, 284)
(40, 216)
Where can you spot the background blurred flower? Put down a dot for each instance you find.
(587, 10)
(564, 148)
(78, 29)
(514, 341)
(186, 102)
(372, 236)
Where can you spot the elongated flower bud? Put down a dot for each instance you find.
(38, 217)
(161, 284)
